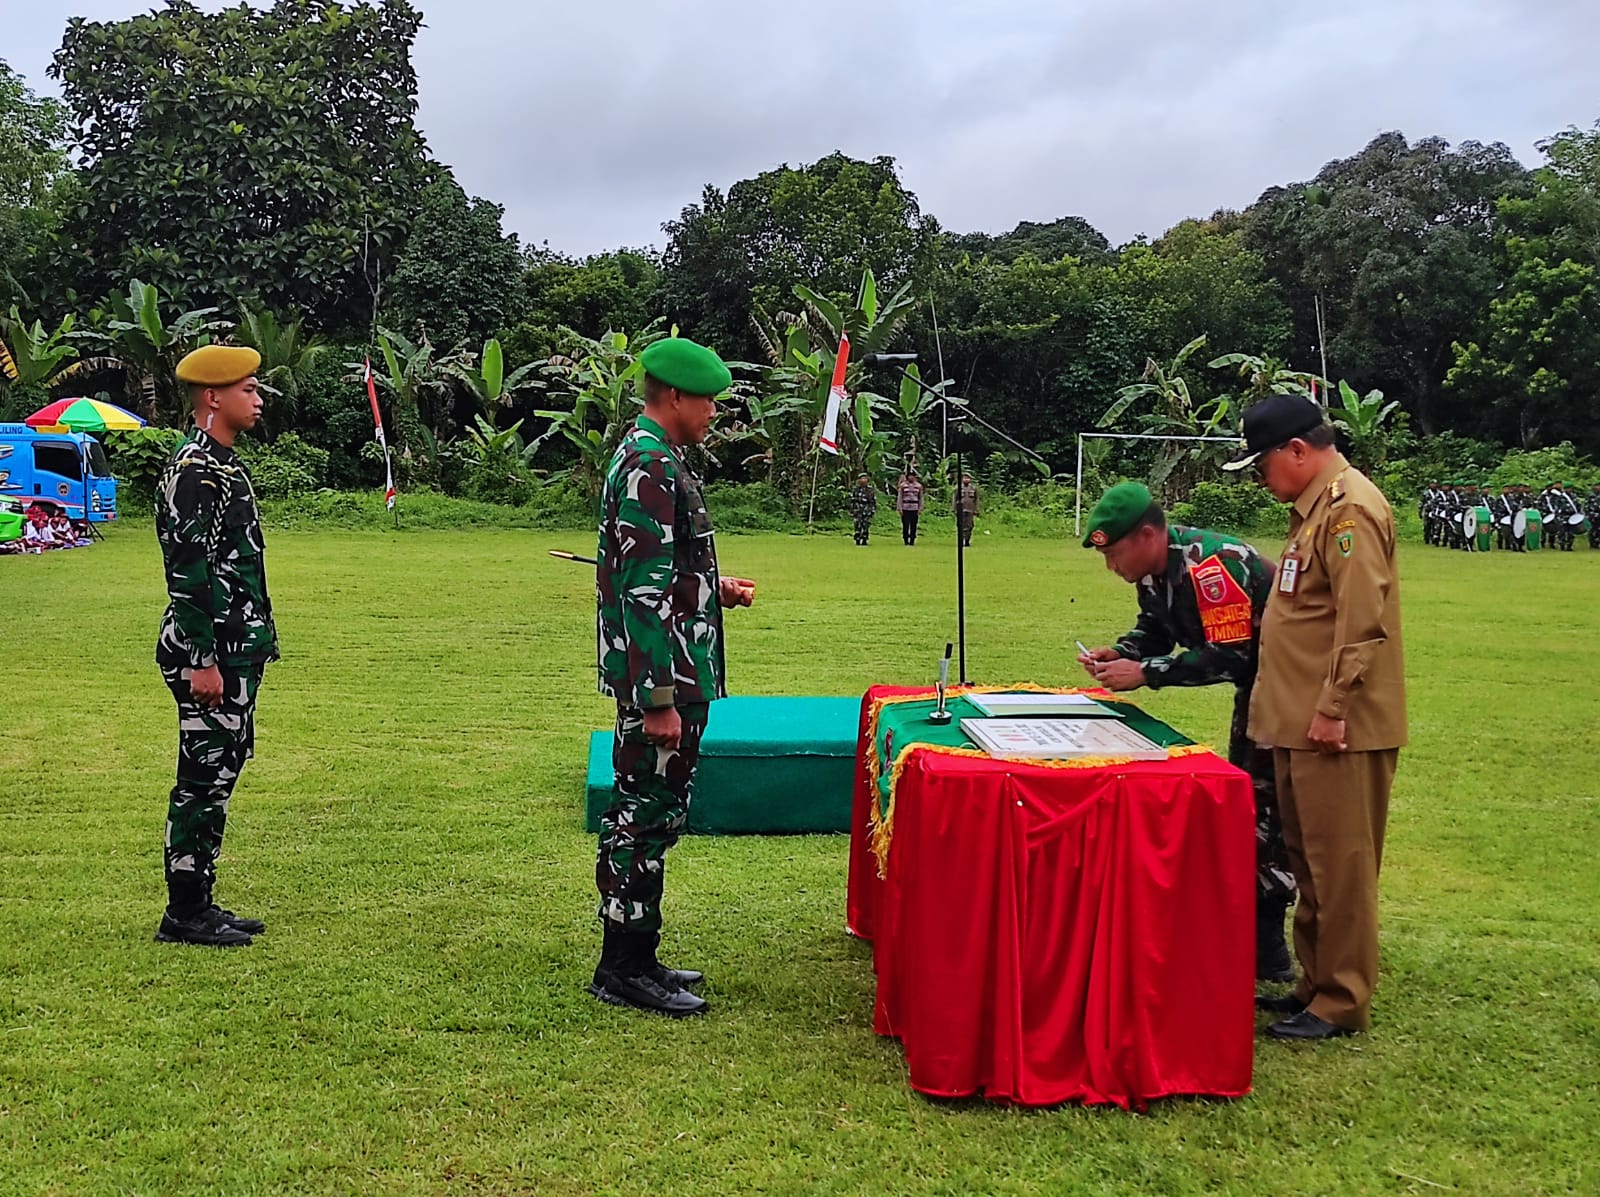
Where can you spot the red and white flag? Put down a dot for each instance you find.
(377, 424)
(829, 440)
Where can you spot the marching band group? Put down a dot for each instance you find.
(1463, 515)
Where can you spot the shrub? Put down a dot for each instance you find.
(137, 458)
(1222, 505)
(286, 467)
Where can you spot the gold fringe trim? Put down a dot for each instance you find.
(882, 827)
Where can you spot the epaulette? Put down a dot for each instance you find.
(1336, 488)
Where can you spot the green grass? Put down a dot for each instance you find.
(415, 1020)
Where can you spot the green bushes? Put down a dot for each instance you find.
(1222, 505)
(284, 468)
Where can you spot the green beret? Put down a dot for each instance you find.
(218, 365)
(687, 367)
(1118, 510)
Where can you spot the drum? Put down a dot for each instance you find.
(1469, 524)
(1485, 528)
(1577, 523)
(1535, 528)
(1519, 524)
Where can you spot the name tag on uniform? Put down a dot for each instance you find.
(1289, 573)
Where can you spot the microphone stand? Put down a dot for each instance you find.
(958, 415)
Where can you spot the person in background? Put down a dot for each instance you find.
(966, 508)
(908, 502)
(863, 506)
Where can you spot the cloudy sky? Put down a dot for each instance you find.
(593, 121)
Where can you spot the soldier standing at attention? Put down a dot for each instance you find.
(908, 502)
(966, 508)
(1591, 512)
(863, 506)
(1330, 700)
(659, 601)
(1202, 592)
(216, 637)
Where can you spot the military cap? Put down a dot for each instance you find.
(1118, 510)
(218, 365)
(1275, 421)
(687, 367)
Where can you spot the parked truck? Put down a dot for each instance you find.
(65, 469)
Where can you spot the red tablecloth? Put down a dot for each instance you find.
(1046, 935)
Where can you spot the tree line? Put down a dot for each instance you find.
(258, 174)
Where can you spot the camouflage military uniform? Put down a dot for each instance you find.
(212, 548)
(1557, 507)
(1591, 512)
(660, 645)
(1169, 616)
(863, 506)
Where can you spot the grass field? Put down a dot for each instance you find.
(415, 1020)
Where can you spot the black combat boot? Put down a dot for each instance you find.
(626, 976)
(237, 921)
(680, 976)
(190, 918)
(1272, 953)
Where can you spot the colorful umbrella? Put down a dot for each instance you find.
(82, 415)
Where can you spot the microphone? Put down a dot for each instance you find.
(884, 359)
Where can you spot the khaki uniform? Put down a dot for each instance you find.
(1330, 643)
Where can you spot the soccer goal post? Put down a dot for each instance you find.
(1077, 497)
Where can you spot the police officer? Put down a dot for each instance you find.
(216, 637)
(908, 502)
(1330, 699)
(659, 600)
(966, 504)
(863, 502)
(1201, 595)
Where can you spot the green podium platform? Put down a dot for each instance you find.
(768, 766)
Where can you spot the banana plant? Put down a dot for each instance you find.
(418, 385)
(137, 339)
(1364, 419)
(486, 377)
(31, 356)
(602, 378)
(288, 357)
(1176, 414)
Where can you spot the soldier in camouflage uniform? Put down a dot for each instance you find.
(1591, 512)
(216, 637)
(1205, 592)
(659, 613)
(863, 506)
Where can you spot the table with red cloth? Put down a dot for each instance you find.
(1046, 932)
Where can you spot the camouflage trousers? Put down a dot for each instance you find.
(649, 810)
(863, 528)
(1274, 880)
(213, 745)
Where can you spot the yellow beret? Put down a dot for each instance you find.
(218, 365)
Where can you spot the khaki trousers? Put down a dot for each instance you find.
(1335, 807)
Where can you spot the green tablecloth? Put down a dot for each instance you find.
(767, 766)
(903, 723)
